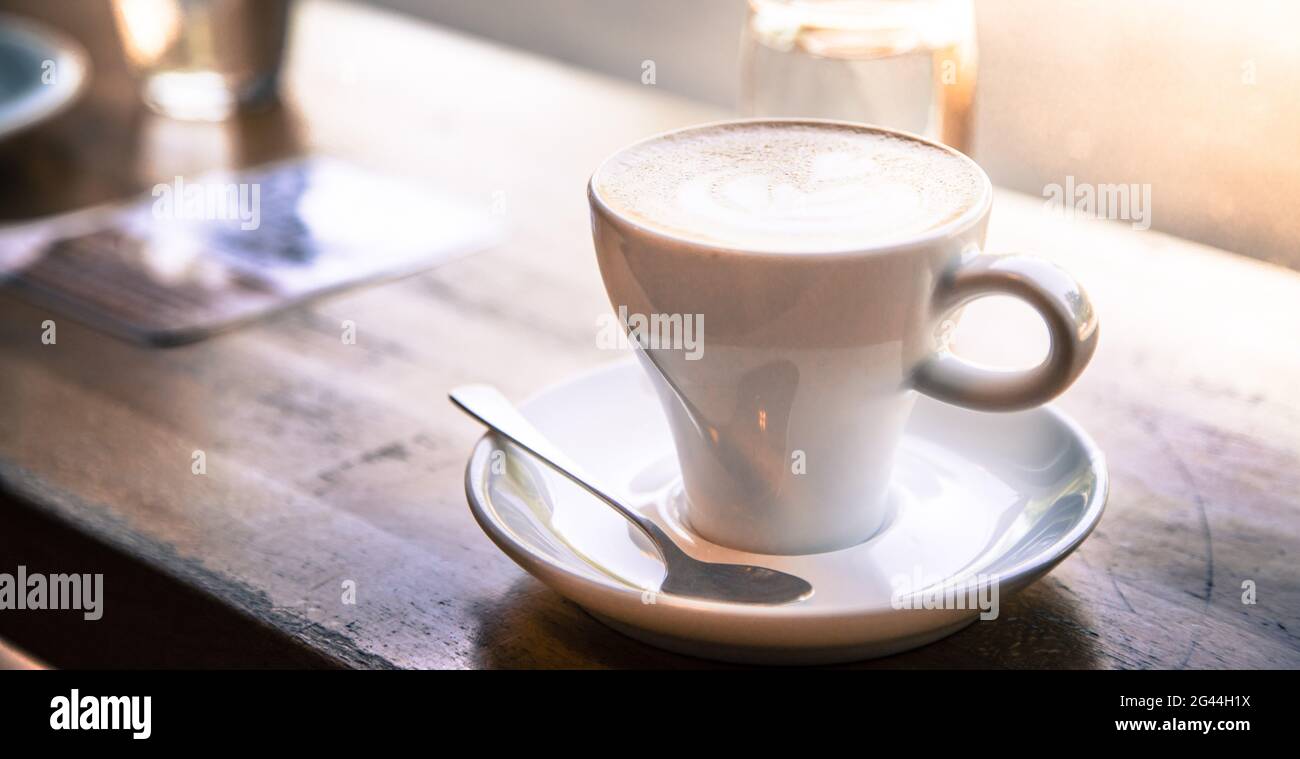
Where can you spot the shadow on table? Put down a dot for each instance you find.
(532, 626)
(150, 620)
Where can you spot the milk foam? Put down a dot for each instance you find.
(794, 187)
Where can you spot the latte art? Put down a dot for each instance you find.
(768, 205)
(787, 187)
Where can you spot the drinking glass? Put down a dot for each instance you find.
(903, 64)
(203, 59)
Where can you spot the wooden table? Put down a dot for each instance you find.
(329, 462)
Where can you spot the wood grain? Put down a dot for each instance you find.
(329, 462)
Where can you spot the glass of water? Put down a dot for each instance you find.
(905, 64)
(204, 59)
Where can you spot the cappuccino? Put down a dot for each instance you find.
(790, 187)
(825, 256)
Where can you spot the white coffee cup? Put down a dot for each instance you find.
(786, 422)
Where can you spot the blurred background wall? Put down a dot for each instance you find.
(1198, 98)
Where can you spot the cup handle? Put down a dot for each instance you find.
(1071, 325)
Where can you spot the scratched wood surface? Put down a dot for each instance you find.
(329, 462)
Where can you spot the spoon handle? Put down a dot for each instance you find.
(486, 404)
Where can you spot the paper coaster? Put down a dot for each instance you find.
(195, 257)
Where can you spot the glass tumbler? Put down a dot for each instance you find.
(905, 64)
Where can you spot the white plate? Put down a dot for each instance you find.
(1001, 498)
(41, 72)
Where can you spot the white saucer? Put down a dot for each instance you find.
(1004, 497)
(29, 53)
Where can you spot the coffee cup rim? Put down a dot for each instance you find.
(968, 218)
